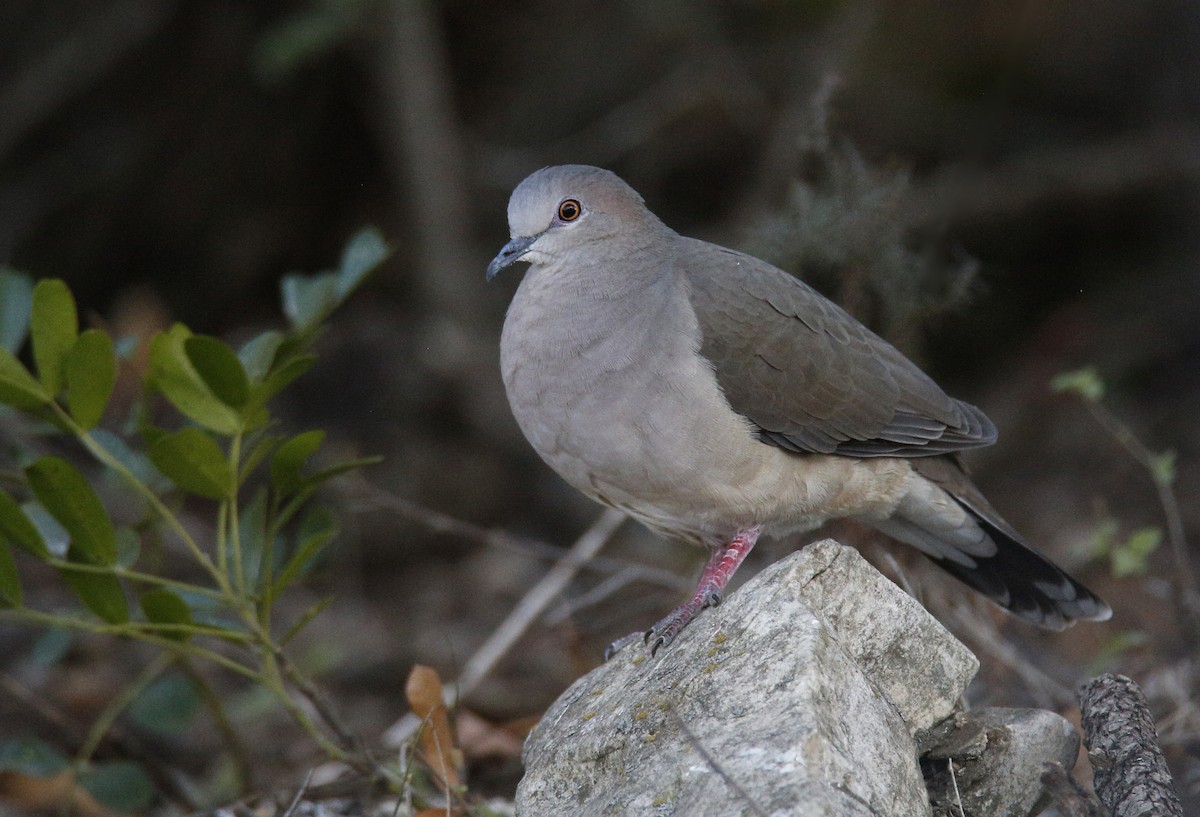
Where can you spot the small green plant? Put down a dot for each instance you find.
(1126, 557)
(225, 450)
(1130, 556)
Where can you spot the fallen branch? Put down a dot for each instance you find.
(1131, 774)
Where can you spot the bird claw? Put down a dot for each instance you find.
(621, 643)
(664, 632)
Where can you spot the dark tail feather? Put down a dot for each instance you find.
(1025, 583)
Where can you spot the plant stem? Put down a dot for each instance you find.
(118, 705)
(1187, 594)
(101, 453)
(30, 616)
(136, 576)
(235, 533)
(273, 681)
(237, 748)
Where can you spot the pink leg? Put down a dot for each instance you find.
(710, 590)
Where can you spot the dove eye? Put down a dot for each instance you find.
(569, 210)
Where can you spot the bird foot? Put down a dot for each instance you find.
(710, 592)
(671, 625)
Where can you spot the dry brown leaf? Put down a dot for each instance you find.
(56, 793)
(424, 692)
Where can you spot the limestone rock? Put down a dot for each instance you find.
(777, 703)
(908, 654)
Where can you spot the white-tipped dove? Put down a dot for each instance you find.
(713, 398)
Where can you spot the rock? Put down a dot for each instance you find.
(908, 654)
(775, 703)
(998, 757)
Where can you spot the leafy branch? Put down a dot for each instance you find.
(1131, 556)
(225, 450)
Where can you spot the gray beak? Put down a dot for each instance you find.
(510, 253)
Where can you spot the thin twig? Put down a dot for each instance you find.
(1047, 691)
(601, 592)
(954, 783)
(291, 809)
(325, 710)
(540, 595)
(367, 495)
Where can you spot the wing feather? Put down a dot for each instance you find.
(808, 375)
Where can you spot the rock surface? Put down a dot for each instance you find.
(776, 703)
(998, 756)
(906, 652)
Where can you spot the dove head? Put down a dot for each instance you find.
(559, 210)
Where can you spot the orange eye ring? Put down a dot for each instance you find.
(569, 210)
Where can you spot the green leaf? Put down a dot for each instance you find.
(363, 253)
(192, 460)
(176, 377)
(303, 620)
(336, 470)
(168, 706)
(1132, 558)
(16, 302)
(219, 368)
(288, 463)
(1085, 382)
(30, 756)
(138, 463)
(258, 354)
(1162, 468)
(17, 386)
(10, 580)
(316, 530)
(210, 612)
(67, 496)
(258, 554)
(54, 326)
(163, 606)
(121, 785)
(1145, 541)
(307, 299)
(280, 378)
(100, 592)
(16, 527)
(91, 372)
(56, 537)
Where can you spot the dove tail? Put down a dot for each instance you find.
(1026, 583)
(967, 538)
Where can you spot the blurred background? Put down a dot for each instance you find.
(1007, 190)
